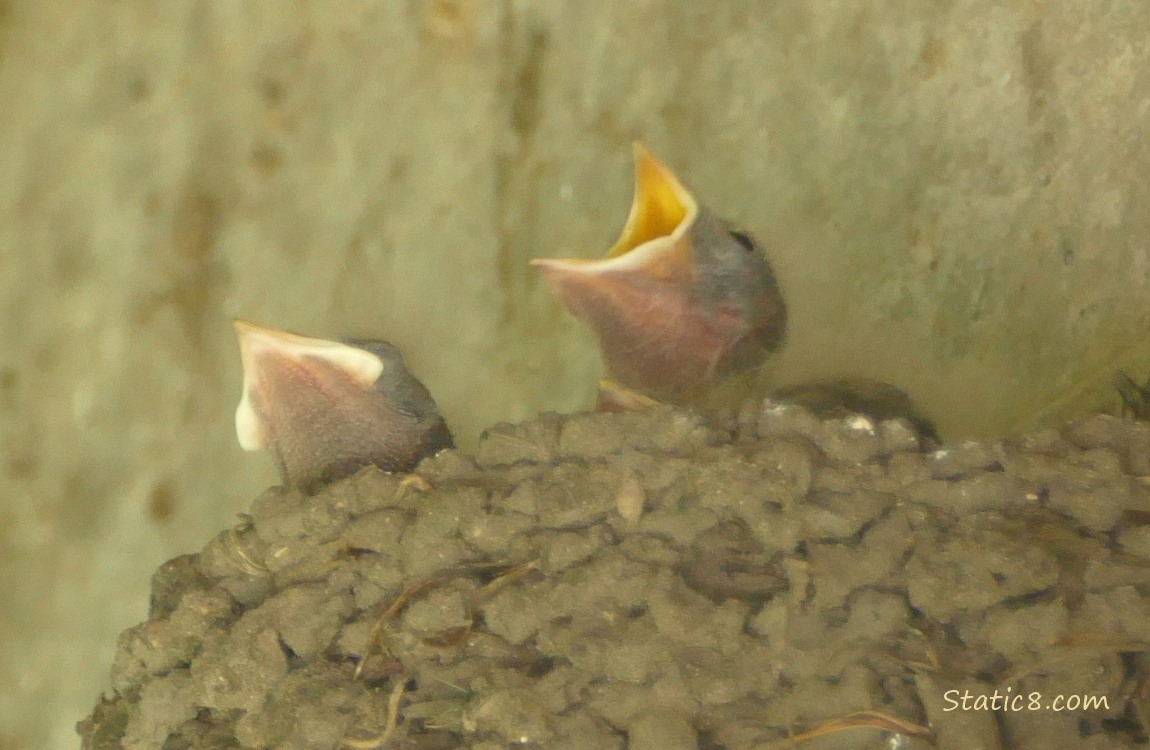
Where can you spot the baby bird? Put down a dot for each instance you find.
(682, 300)
(325, 409)
(687, 309)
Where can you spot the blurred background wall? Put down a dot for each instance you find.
(954, 195)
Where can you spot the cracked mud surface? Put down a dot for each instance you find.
(653, 580)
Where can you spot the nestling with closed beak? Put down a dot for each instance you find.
(325, 409)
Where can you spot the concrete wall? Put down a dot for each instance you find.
(953, 194)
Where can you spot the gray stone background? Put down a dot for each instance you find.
(954, 195)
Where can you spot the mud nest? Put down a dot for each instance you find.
(659, 581)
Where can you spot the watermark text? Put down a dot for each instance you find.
(964, 700)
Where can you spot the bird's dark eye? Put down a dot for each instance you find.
(744, 240)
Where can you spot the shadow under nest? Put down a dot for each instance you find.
(657, 580)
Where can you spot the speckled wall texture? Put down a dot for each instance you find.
(953, 195)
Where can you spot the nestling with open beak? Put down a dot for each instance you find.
(325, 409)
(682, 300)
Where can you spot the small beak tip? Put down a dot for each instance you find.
(548, 266)
(256, 341)
(245, 329)
(559, 270)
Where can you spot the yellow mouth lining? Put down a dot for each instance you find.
(652, 241)
(661, 206)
